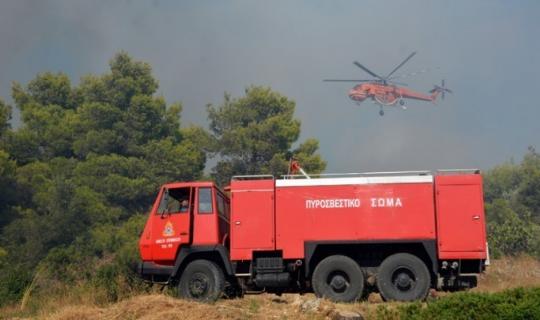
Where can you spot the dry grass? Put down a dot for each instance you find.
(264, 306)
(158, 306)
(502, 274)
(162, 306)
(506, 273)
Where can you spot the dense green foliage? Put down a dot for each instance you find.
(512, 195)
(254, 134)
(518, 303)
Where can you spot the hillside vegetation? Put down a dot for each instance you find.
(79, 174)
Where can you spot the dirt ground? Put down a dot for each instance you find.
(502, 274)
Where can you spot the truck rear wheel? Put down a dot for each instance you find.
(403, 277)
(202, 280)
(338, 278)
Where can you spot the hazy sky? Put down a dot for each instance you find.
(488, 52)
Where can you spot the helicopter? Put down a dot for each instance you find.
(384, 91)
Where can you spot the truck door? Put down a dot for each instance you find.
(171, 225)
(460, 216)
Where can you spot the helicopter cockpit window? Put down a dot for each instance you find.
(174, 201)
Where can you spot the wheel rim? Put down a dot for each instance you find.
(198, 285)
(403, 279)
(338, 281)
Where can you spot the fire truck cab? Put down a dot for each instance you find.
(341, 236)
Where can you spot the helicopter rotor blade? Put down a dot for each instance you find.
(347, 80)
(410, 74)
(398, 83)
(359, 65)
(401, 64)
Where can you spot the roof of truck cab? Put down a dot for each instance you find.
(189, 184)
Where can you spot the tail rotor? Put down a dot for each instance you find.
(441, 89)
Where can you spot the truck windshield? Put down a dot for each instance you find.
(174, 201)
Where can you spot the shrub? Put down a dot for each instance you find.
(517, 303)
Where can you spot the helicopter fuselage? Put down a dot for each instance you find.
(387, 95)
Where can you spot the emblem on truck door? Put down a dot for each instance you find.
(168, 231)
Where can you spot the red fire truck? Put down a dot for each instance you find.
(341, 236)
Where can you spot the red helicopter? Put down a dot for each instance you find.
(384, 91)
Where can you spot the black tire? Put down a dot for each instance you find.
(202, 280)
(338, 278)
(403, 277)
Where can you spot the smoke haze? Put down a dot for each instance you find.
(486, 50)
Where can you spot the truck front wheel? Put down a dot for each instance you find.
(338, 278)
(202, 280)
(403, 277)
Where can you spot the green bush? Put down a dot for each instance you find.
(512, 198)
(14, 282)
(521, 303)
